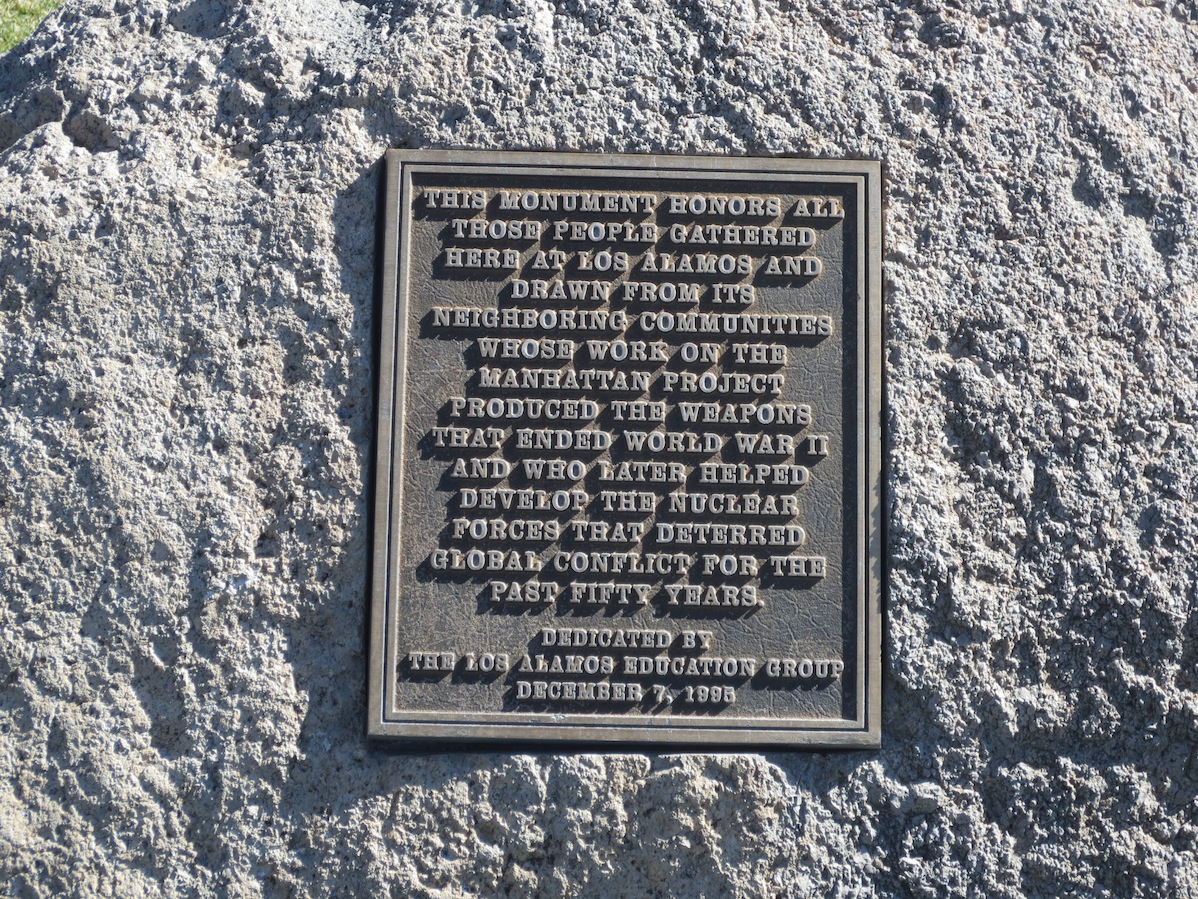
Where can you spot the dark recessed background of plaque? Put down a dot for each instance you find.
(453, 656)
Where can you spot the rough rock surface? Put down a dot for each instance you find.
(187, 215)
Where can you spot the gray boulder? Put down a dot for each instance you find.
(187, 230)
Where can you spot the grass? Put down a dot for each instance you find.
(19, 17)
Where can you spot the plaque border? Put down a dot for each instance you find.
(558, 728)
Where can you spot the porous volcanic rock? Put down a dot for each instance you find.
(187, 230)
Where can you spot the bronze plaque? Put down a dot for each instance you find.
(628, 478)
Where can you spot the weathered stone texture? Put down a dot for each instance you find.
(187, 226)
